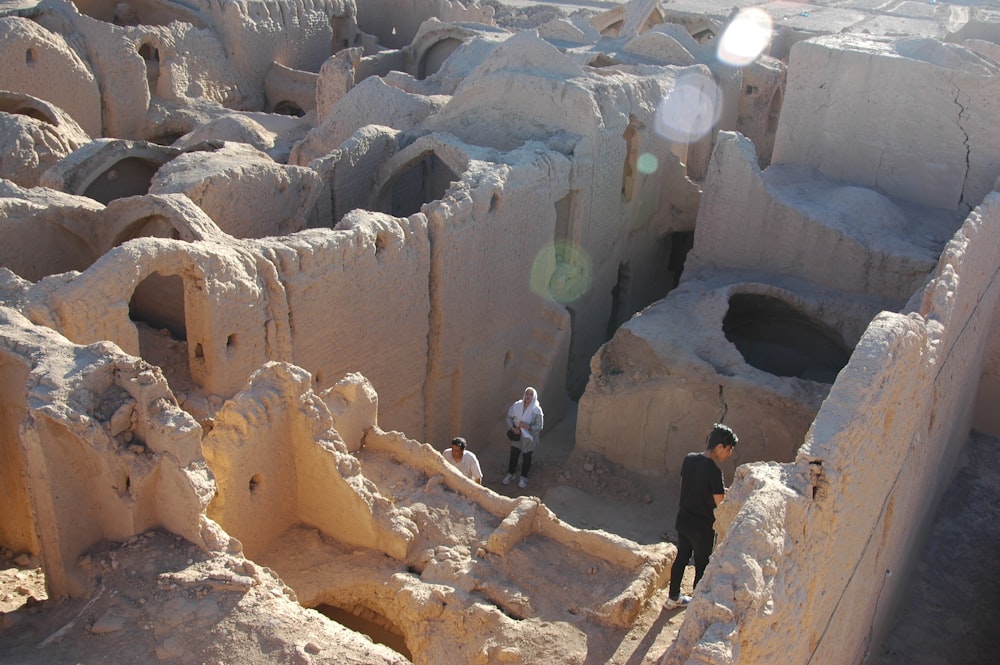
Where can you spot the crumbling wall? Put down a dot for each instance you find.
(47, 232)
(34, 135)
(395, 22)
(371, 102)
(760, 104)
(612, 214)
(667, 374)
(234, 319)
(102, 451)
(299, 35)
(279, 462)
(245, 192)
(812, 553)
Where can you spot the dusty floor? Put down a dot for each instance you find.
(583, 489)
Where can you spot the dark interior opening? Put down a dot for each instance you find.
(372, 624)
(129, 177)
(775, 337)
(151, 226)
(619, 299)
(157, 310)
(158, 301)
(31, 112)
(290, 108)
(681, 243)
(424, 180)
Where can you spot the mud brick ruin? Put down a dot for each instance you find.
(256, 253)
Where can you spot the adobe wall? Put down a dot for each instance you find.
(64, 224)
(230, 327)
(40, 63)
(598, 201)
(17, 529)
(987, 415)
(153, 59)
(618, 217)
(34, 135)
(668, 374)
(814, 552)
(942, 151)
(493, 328)
(839, 236)
(245, 192)
(97, 447)
(275, 444)
(256, 34)
(395, 22)
(344, 289)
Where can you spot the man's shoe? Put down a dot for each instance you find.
(509, 477)
(680, 601)
(523, 482)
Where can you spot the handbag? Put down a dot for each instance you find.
(514, 434)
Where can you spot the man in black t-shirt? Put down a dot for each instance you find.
(702, 489)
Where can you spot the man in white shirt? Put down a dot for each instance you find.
(464, 459)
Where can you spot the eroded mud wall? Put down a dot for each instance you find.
(358, 301)
(819, 549)
(106, 452)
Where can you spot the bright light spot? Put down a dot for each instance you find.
(647, 163)
(746, 37)
(691, 109)
(561, 272)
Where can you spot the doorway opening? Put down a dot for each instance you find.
(372, 624)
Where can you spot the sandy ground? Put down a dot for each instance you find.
(584, 489)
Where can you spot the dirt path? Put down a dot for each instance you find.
(586, 490)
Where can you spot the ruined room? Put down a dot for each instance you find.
(263, 259)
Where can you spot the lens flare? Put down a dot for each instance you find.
(562, 271)
(647, 163)
(691, 109)
(746, 37)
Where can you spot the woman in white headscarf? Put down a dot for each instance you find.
(525, 421)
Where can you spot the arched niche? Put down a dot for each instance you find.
(424, 178)
(376, 626)
(290, 108)
(435, 56)
(157, 309)
(151, 56)
(152, 226)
